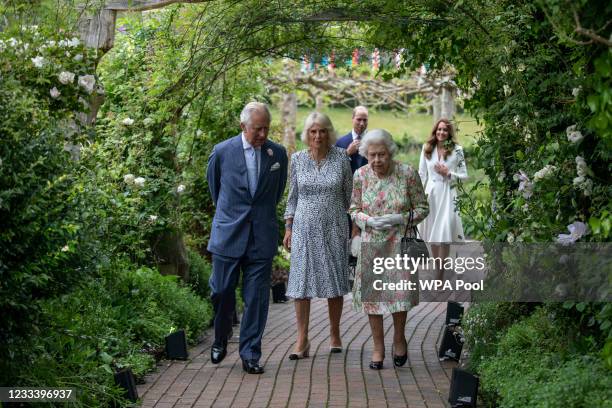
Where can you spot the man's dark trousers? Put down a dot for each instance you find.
(256, 296)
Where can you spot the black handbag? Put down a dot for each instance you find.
(412, 245)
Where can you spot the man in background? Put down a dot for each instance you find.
(351, 141)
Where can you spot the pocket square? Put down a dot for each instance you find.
(275, 166)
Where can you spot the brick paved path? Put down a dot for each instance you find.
(324, 379)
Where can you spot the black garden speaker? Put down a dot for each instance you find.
(463, 389)
(176, 346)
(125, 379)
(454, 312)
(451, 345)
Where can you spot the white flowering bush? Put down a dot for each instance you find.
(41, 235)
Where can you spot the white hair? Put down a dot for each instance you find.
(249, 108)
(320, 119)
(359, 108)
(377, 136)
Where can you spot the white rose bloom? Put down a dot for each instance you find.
(587, 187)
(127, 122)
(87, 82)
(581, 166)
(74, 42)
(577, 230)
(180, 189)
(51, 43)
(525, 186)
(573, 135)
(517, 121)
(66, 77)
(501, 176)
(129, 179)
(78, 57)
(578, 181)
(153, 218)
(55, 93)
(139, 181)
(521, 67)
(507, 90)
(544, 172)
(199, 132)
(504, 69)
(510, 238)
(65, 248)
(147, 121)
(576, 91)
(38, 62)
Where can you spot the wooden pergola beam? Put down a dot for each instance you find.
(144, 5)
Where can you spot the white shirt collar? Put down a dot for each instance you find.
(354, 134)
(245, 144)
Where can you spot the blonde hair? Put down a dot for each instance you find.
(322, 120)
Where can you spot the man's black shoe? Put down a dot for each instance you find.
(252, 367)
(217, 354)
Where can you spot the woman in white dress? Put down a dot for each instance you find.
(442, 163)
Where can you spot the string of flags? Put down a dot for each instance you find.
(310, 63)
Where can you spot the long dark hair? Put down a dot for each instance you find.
(431, 143)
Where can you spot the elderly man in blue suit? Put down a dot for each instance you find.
(246, 176)
(351, 141)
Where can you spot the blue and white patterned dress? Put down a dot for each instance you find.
(319, 197)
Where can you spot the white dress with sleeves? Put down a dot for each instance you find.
(443, 223)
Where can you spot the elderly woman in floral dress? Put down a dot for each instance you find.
(386, 195)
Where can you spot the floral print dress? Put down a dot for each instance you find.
(319, 196)
(397, 193)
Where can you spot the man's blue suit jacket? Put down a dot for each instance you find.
(237, 212)
(357, 160)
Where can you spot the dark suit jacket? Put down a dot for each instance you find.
(357, 160)
(237, 212)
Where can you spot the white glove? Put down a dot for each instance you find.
(377, 223)
(356, 245)
(392, 219)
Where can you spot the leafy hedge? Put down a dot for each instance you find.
(42, 78)
(118, 319)
(79, 295)
(543, 357)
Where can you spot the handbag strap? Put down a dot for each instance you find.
(413, 228)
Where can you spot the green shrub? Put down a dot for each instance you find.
(199, 274)
(117, 320)
(40, 89)
(484, 323)
(534, 363)
(537, 379)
